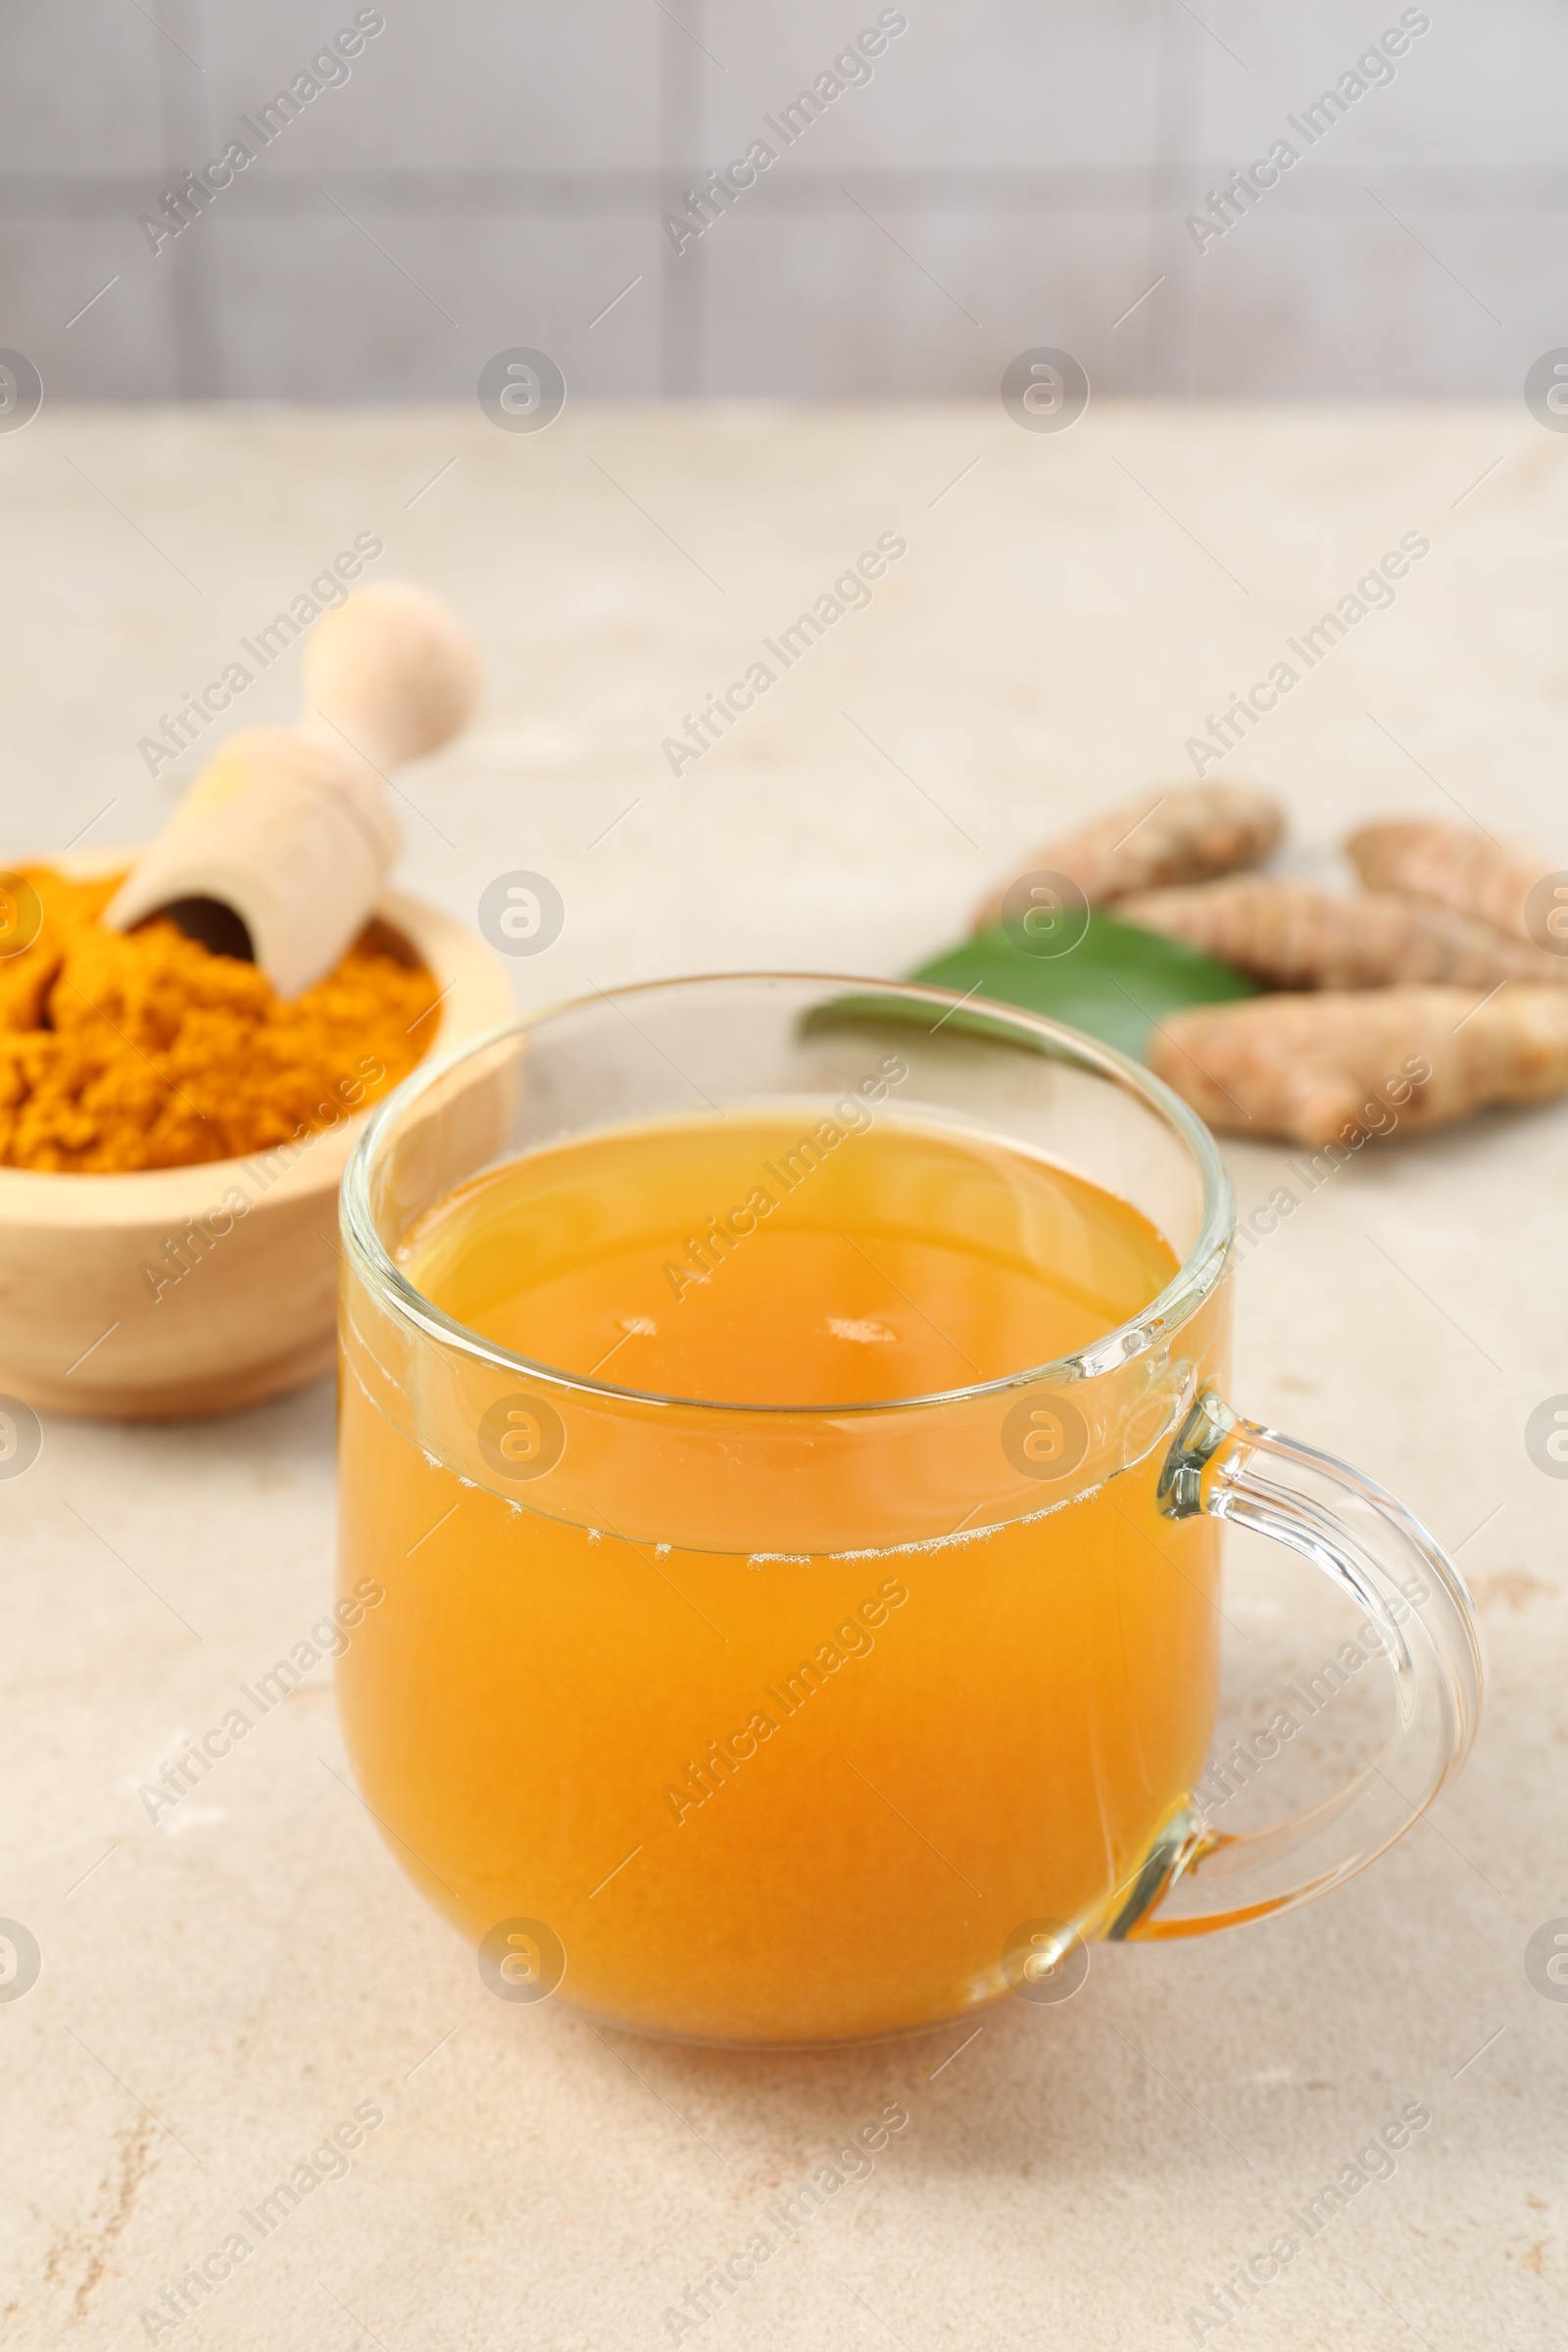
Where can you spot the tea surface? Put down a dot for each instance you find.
(753, 1262)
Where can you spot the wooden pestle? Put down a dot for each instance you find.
(282, 844)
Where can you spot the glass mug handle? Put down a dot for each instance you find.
(1198, 1878)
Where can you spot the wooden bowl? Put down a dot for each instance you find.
(95, 1317)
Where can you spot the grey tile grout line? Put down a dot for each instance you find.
(681, 295)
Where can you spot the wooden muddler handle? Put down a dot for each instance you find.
(293, 828)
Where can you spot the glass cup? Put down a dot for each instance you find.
(784, 1726)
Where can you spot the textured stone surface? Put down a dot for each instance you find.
(220, 1990)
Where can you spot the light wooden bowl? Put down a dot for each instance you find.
(80, 1330)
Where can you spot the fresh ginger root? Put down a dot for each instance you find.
(1186, 834)
(1329, 1068)
(1291, 935)
(1461, 869)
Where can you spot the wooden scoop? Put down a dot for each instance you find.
(281, 846)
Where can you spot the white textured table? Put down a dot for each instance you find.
(222, 1989)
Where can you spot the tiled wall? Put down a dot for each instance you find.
(1013, 173)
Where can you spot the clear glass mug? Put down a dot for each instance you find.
(784, 1727)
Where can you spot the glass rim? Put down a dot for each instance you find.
(1192, 1282)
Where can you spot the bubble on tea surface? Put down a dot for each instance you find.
(1045, 390)
(21, 1960)
(1044, 1437)
(521, 390)
(1044, 913)
(521, 1960)
(521, 1435)
(1045, 1960)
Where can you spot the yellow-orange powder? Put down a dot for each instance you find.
(143, 1050)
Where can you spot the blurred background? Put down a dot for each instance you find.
(1007, 173)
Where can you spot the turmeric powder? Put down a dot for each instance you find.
(143, 1050)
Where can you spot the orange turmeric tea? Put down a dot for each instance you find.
(734, 1721)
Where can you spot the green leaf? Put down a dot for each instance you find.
(1117, 982)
